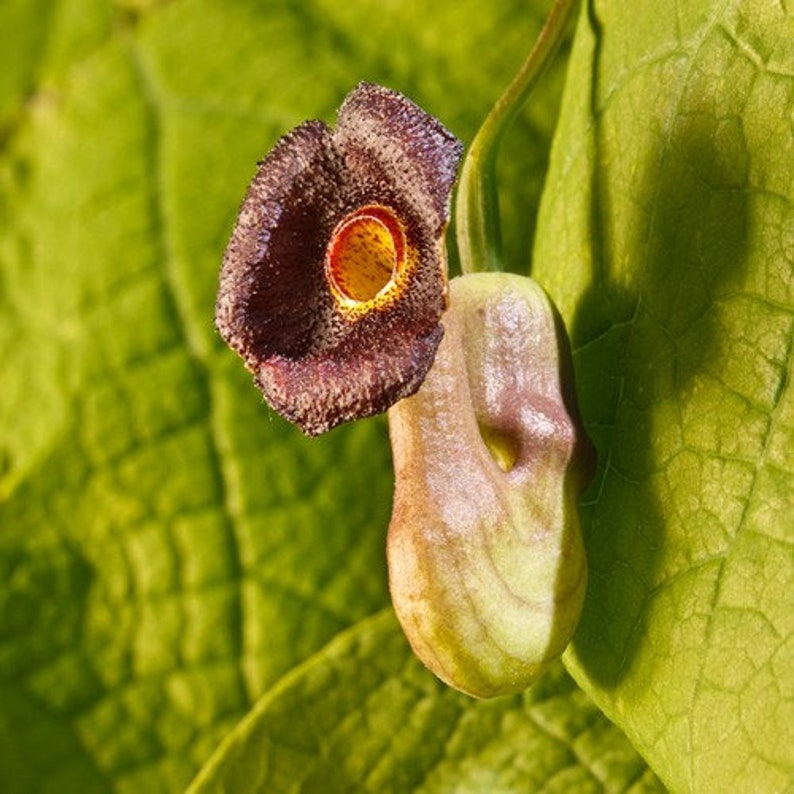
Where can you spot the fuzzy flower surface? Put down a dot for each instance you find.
(335, 279)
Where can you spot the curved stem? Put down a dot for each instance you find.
(477, 210)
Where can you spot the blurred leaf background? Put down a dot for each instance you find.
(173, 557)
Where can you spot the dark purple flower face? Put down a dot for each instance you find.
(334, 281)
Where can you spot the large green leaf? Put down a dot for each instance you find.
(667, 237)
(168, 548)
(365, 716)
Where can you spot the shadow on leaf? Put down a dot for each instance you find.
(644, 333)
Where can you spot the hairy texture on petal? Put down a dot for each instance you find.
(302, 392)
(320, 360)
(390, 141)
(268, 301)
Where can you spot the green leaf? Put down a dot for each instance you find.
(363, 715)
(667, 238)
(168, 548)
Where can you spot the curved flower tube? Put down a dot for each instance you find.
(487, 569)
(334, 281)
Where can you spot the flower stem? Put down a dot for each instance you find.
(477, 210)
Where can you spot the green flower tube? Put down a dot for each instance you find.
(487, 569)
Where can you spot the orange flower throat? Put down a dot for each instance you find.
(366, 257)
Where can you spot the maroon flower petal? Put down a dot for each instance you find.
(334, 280)
(388, 140)
(268, 298)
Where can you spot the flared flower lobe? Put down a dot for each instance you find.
(334, 281)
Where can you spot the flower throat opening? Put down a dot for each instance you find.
(366, 254)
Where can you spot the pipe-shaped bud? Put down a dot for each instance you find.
(486, 564)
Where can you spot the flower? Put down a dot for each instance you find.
(334, 281)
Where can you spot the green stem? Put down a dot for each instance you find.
(477, 210)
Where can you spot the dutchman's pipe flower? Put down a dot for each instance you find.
(332, 290)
